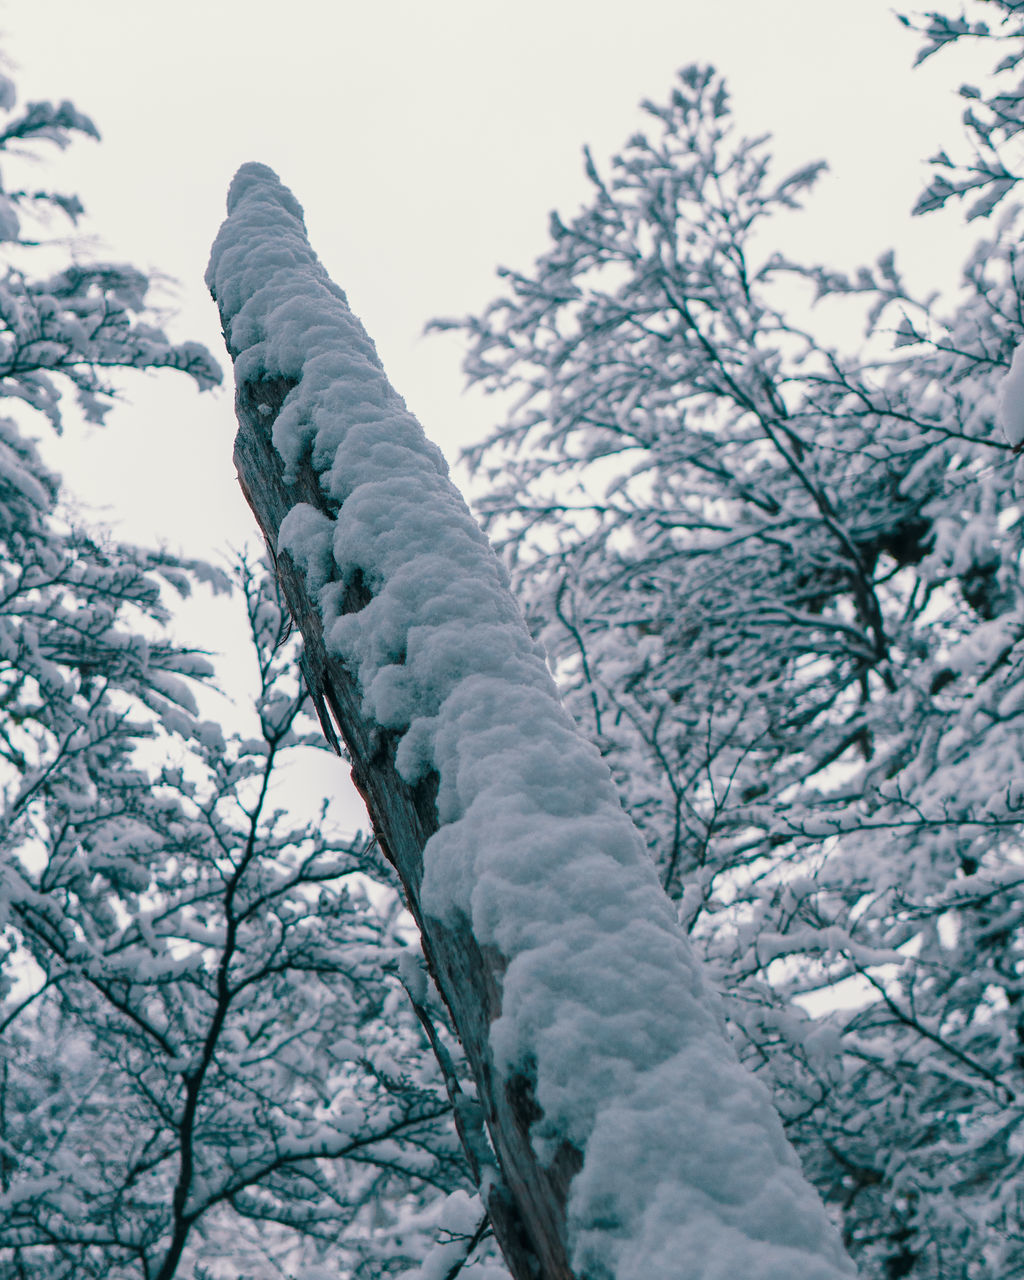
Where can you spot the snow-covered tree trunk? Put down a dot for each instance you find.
(620, 1137)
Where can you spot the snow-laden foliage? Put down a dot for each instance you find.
(74, 324)
(780, 584)
(84, 662)
(993, 116)
(604, 1015)
(207, 1066)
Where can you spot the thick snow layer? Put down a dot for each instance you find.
(685, 1165)
(1011, 400)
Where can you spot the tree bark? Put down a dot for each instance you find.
(526, 1203)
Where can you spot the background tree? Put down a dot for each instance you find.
(211, 1069)
(207, 1062)
(780, 584)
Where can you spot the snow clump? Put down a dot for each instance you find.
(1011, 400)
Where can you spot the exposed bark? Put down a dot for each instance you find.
(526, 1201)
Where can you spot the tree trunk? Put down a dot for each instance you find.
(623, 1139)
(526, 1205)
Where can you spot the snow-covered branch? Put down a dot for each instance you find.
(627, 1136)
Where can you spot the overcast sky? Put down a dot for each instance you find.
(427, 142)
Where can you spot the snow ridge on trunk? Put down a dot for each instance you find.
(679, 1163)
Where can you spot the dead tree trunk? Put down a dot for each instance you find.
(615, 1133)
(527, 1205)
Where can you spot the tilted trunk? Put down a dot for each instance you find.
(623, 1139)
(404, 817)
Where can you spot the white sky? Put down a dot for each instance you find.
(427, 142)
